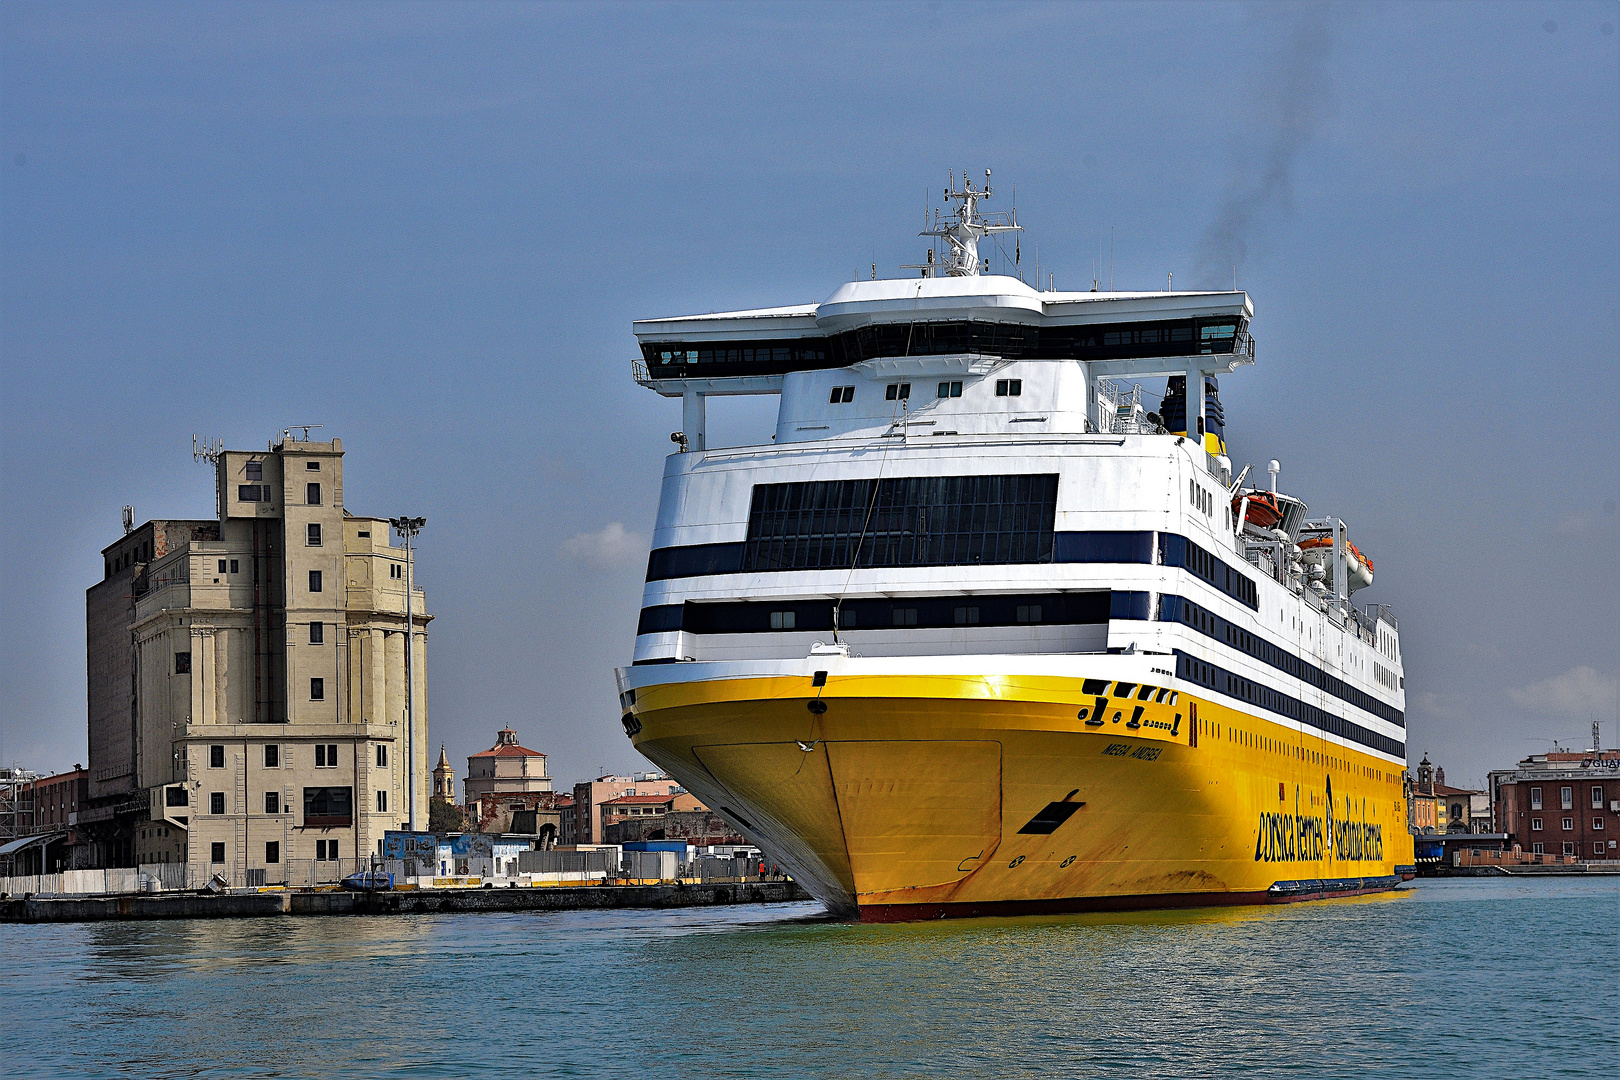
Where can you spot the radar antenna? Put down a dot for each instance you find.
(963, 226)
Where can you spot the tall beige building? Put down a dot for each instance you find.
(247, 677)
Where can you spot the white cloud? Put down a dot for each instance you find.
(609, 548)
(1579, 693)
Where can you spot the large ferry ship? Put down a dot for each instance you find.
(984, 629)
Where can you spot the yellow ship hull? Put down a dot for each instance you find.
(925, 796)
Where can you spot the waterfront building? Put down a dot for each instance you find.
(41, 836)
(1562, 803)
(508, 790)
(246, 676)
(589, 795)
(699, 828)
(504, 769)
(641, 808)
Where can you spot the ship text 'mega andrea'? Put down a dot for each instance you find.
(981, 631)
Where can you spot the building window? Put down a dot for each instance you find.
(272, 802)
(382, 802)
(330, 807)
(382, 755)
(254, 470)
(950, 389)
(326, 849)
(1535, 798)
(905, 616)
(1029, 613)
(326, 755)
(783, 620)
(897, 392)
(1566, 798)
(317, 633)
(317, 689)
(216, 852)
(966, 616)
(182, 663)
(272, 851)
(1569, 847)
(395, 570)
(216, 802)
(1535, 849)
(312, 494)
(251, 493)
(235, 566)
(222, 565)
(216, 757)
(1597, 824)
(313, 534)
(312, 466)
(1009, 387)
(841, 395)
(1535, 824)
(272, 755)
(1569, 824)
(1597, 798)
(314, 581)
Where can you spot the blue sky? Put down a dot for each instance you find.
(428, 227)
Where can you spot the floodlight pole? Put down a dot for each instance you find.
(408, 527)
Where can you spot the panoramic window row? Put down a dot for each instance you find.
(1013, 341)
(1261, 696)
(888, 613)
(905, 521)
(1180, 610)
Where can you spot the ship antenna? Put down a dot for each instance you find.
(964, 226)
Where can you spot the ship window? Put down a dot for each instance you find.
(904, 521)
(846, 617)
(1029, 613)
(905, 616)
(841, 395)
(897, 392)
(950, 389)
(1146, 693)
(1009, 387)
(783, 620)
(1092, 687)
(966, 616)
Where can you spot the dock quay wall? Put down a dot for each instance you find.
(402, 902)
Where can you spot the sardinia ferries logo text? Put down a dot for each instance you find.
(1300, 837)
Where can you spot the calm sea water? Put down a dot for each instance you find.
(1487, 978)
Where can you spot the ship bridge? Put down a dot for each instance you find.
(877, 353)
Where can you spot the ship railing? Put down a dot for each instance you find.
(639, 372)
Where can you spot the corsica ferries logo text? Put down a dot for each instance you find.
(1304, 838)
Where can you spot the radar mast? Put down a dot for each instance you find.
(962, 227)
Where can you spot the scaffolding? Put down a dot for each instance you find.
(17, 818)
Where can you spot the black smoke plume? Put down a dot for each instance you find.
(1262, 188)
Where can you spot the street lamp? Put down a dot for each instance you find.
(408, 527)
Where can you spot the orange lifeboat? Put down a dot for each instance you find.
(1264, 509)
(1358, 568)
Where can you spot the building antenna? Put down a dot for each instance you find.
(205, 449)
